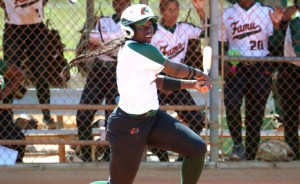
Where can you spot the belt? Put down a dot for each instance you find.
(148, 114)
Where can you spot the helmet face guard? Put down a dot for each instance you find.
(136, 14)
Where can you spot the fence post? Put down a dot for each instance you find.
(214, 74)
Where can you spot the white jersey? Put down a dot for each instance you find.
(110, 30)
(137, 69)
(246, 30)
(25, 12)
(289, 50)
(174, 45)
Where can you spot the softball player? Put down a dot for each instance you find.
(101, 80)
(172, 39)
(137, 121)
(289, 88)
(247, 26)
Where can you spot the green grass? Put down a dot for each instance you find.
(69, 19)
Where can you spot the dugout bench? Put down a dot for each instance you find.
(62, 137)
(58, 97)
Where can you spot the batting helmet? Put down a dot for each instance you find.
(136, 14)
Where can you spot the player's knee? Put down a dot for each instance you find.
(202, 148)
(199, 149)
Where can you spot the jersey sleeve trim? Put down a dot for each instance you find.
(148, 51)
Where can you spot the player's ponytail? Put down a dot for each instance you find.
(103, 49)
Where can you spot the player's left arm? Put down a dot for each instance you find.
(180, 70)
(173, 84)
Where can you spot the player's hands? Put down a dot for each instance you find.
(93, 47)
(203, 86)
(95, 40)
(276, 16)
(202, 77)
(199, 6)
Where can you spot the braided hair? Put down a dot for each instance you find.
(103, 49)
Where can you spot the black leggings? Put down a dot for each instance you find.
(128, 138)
(252, 83)
(289, 90)
(100, 84)
(27, 44)
(194, 119)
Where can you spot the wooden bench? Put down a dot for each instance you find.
(65, 137)
(69, 98)
(58, 97)
(61, 137)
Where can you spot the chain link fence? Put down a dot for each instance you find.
(251, 85)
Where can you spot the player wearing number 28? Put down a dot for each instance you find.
(245, 27)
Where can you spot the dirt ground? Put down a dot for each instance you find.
(154, 173)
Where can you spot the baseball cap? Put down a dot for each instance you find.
(143, 21)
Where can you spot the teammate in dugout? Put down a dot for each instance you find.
(247, 26)
(289, 88)
(101, 80)
(137, 121)
(25, 41)
(171, 39)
